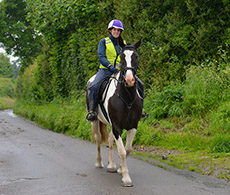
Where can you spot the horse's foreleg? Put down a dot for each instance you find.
(123, 167)
(129, 140)
(111, 164)
(97, 136)
(128, 147)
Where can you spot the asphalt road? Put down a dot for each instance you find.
(35, 161)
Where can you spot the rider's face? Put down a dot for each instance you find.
(115, 32)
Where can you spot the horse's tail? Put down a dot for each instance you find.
(100, 132)
(104, 132)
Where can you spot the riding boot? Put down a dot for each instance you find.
(92, 114)
(143, 114)
(141, 92)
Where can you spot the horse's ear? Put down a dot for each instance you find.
(121, 42)
(138, 43)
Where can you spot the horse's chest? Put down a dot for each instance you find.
(124, 114)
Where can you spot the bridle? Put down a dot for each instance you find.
(134, 70)
(124, 84)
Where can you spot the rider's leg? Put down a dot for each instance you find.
(92, 114)
(141, 88)
(93, 99)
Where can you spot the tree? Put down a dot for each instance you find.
(6, 68)
(16, 33)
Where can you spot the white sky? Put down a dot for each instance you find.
(12, 58)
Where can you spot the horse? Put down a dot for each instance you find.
(121, 108)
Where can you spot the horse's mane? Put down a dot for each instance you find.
(128, 46)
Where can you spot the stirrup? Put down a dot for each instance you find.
(91, 116)
(143, 115)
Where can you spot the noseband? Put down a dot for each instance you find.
(129, 68)
(124, 73)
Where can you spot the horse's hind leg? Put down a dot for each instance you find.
(97, 136)
(111, 164)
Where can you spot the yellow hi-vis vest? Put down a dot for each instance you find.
(111, 53)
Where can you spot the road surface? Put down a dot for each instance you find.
(35, 161)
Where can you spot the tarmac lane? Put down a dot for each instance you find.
(36, 161)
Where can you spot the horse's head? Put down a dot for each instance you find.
(129, 62)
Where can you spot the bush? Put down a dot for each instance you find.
(166, 103)
(203, 90)
(220, 119)
(220, 143)
(7, 88)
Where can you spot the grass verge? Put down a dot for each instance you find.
(205, 163)
(6, 103)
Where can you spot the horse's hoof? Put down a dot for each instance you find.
(111, 170)
(127, 184)
(99, 165)
(119, 170)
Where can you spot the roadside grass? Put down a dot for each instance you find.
(61, 116)
(6, 103)
(7, 93)
(203, 162)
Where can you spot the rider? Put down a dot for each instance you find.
(108, 53)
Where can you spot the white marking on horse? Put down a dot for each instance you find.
(129, 78)
(123, 167)
(91, 79)
(111, 91)
(129, 140)
(128, 59)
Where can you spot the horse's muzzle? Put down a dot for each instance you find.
(129, 79)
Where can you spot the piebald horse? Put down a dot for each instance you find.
(123, 107)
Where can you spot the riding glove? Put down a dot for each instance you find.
(112, 69)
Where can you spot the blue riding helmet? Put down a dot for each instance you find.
(115, 24)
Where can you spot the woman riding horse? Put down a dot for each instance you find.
(121, 107)
(108, 53)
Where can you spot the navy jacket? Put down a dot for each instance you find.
(102, 52)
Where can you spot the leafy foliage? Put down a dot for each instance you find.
(176, 35)
(69, 54)
(6, 68)
(16, 33)
(7, 88)
(166, 103)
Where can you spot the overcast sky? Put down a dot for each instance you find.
(12, 58)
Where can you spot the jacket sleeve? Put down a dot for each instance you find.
(102, 53)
